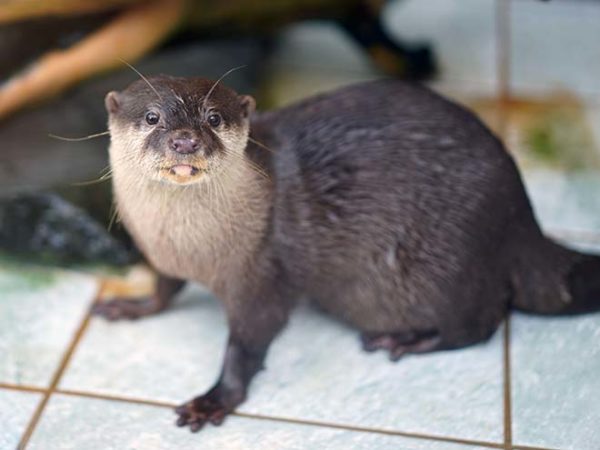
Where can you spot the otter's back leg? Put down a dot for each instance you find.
(399, 344)
(463, 314)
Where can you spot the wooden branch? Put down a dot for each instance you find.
(127, 37)
(16, 10)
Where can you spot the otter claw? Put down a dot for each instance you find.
(201, 410)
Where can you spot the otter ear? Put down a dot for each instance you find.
(248, 105)
(111, 102)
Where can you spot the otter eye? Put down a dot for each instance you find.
(214, 120)
(152, 118)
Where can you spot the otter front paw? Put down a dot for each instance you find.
(127, 308)
(211, 407)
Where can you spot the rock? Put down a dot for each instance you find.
(45, 226)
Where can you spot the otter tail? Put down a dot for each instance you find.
(548, 278)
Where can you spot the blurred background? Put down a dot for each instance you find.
(529, 68)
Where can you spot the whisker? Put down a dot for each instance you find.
(141, 76)
(255, 167)
(85, 138)
(113, 217)
(106, 170)
(260, 144)
(212, 88)
(89, 183)
(104, 177)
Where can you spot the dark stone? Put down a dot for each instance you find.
(49, 228)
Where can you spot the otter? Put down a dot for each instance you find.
(389, 207)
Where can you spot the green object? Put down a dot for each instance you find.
(561, 139)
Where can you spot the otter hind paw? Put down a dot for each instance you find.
(399, 344)
(126, 308)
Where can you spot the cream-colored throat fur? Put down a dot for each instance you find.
(199, 231)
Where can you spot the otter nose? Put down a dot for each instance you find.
(184, 145)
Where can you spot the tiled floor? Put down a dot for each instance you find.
(554, 381)
(70, 382)
(33, 341)
(16, 409)
(117, 425)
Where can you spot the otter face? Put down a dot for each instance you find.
(177, 130)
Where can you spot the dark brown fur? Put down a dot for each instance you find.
(390, 207)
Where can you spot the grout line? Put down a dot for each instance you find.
(117, 398)
(53, 389)
(507, 387)
(529, 447)
(23, 388)
(169, 405)
(502, 24)
(503, 47)
(56, 377)
(374, 430)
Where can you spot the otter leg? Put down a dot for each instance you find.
(128, 308)
(253, 326)
(399, 344)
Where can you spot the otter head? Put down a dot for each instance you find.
(177, 130)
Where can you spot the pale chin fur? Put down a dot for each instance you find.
(190, 231)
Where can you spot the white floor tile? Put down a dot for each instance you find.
(77, 423)
(16, 408)
(555, 383)
(40, 310)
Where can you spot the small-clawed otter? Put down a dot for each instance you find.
(390, 207)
